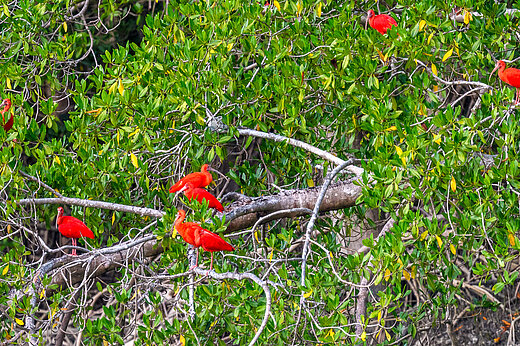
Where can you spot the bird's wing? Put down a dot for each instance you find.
(74, 228)
(201, 194)
(213, 242)
(513, 77)
(9, 124)
(187, 231)
(384, 22)
(196, 179)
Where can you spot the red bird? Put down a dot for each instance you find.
(381, 22)
(197, 236)
(197, 179)
(510, 76)
(201, 195)
(9, 124)
(73, 228)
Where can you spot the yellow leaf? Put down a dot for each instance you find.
(308, 294)
(400, 262)
(182, 340)
(310, 183)
(65, 26)
(406, 275)
(112, 88)
(363, 336)
(467, 17)
(330, 333)
(387, 274)
(447, 55)
(6, 11)
(511, 238)
(256, 236)
(422, 23)
(57, 160)
(120, 87)
(381, 56)
(414, 272)
(6, 269)
(391, 128)
(19, 321)
(174, 232)
(299, 7)
(277, 5)
(8, 82)
(271, 256)
(330, 254)
(134, 133)
(435, 88)
(229, 46)
(439, 241)
(318, 9)
(452, 249)
(113, 217)
(453, 184)
(117, 137)
(42, 294)
(134, 160)
(430, 38)
(437, 139)
(388, 336)
(398, 150)
(434, 69)
(423, 235)
(105, 343)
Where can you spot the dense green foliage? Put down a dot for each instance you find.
(116, 108)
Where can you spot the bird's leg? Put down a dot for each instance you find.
(74, 243)
(211, 263)
(517, 98)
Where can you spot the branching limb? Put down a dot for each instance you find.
(315, 212)
(47, 187)
(361, 306)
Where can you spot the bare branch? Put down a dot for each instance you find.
(315, 212)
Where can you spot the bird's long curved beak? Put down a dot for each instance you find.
(366, 22)
(496, 68)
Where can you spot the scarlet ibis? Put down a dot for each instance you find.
(197, 236)
(7, 105)
(73, 228)
(200, 194)
(197, 179)
(510, 76)
(381, 22)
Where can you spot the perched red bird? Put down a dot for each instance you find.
(197, 236)
(197, 179)
(381, 22)
(200, 194)
(510, 76)
(9, 124)
(73, 228)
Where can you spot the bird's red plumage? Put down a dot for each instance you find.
(381, 22)
(197, 236)
(213, 242)
(196, 179)
(71, 227)
(187, 229)
(9, 124)
(201, 195)
(511, 76)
